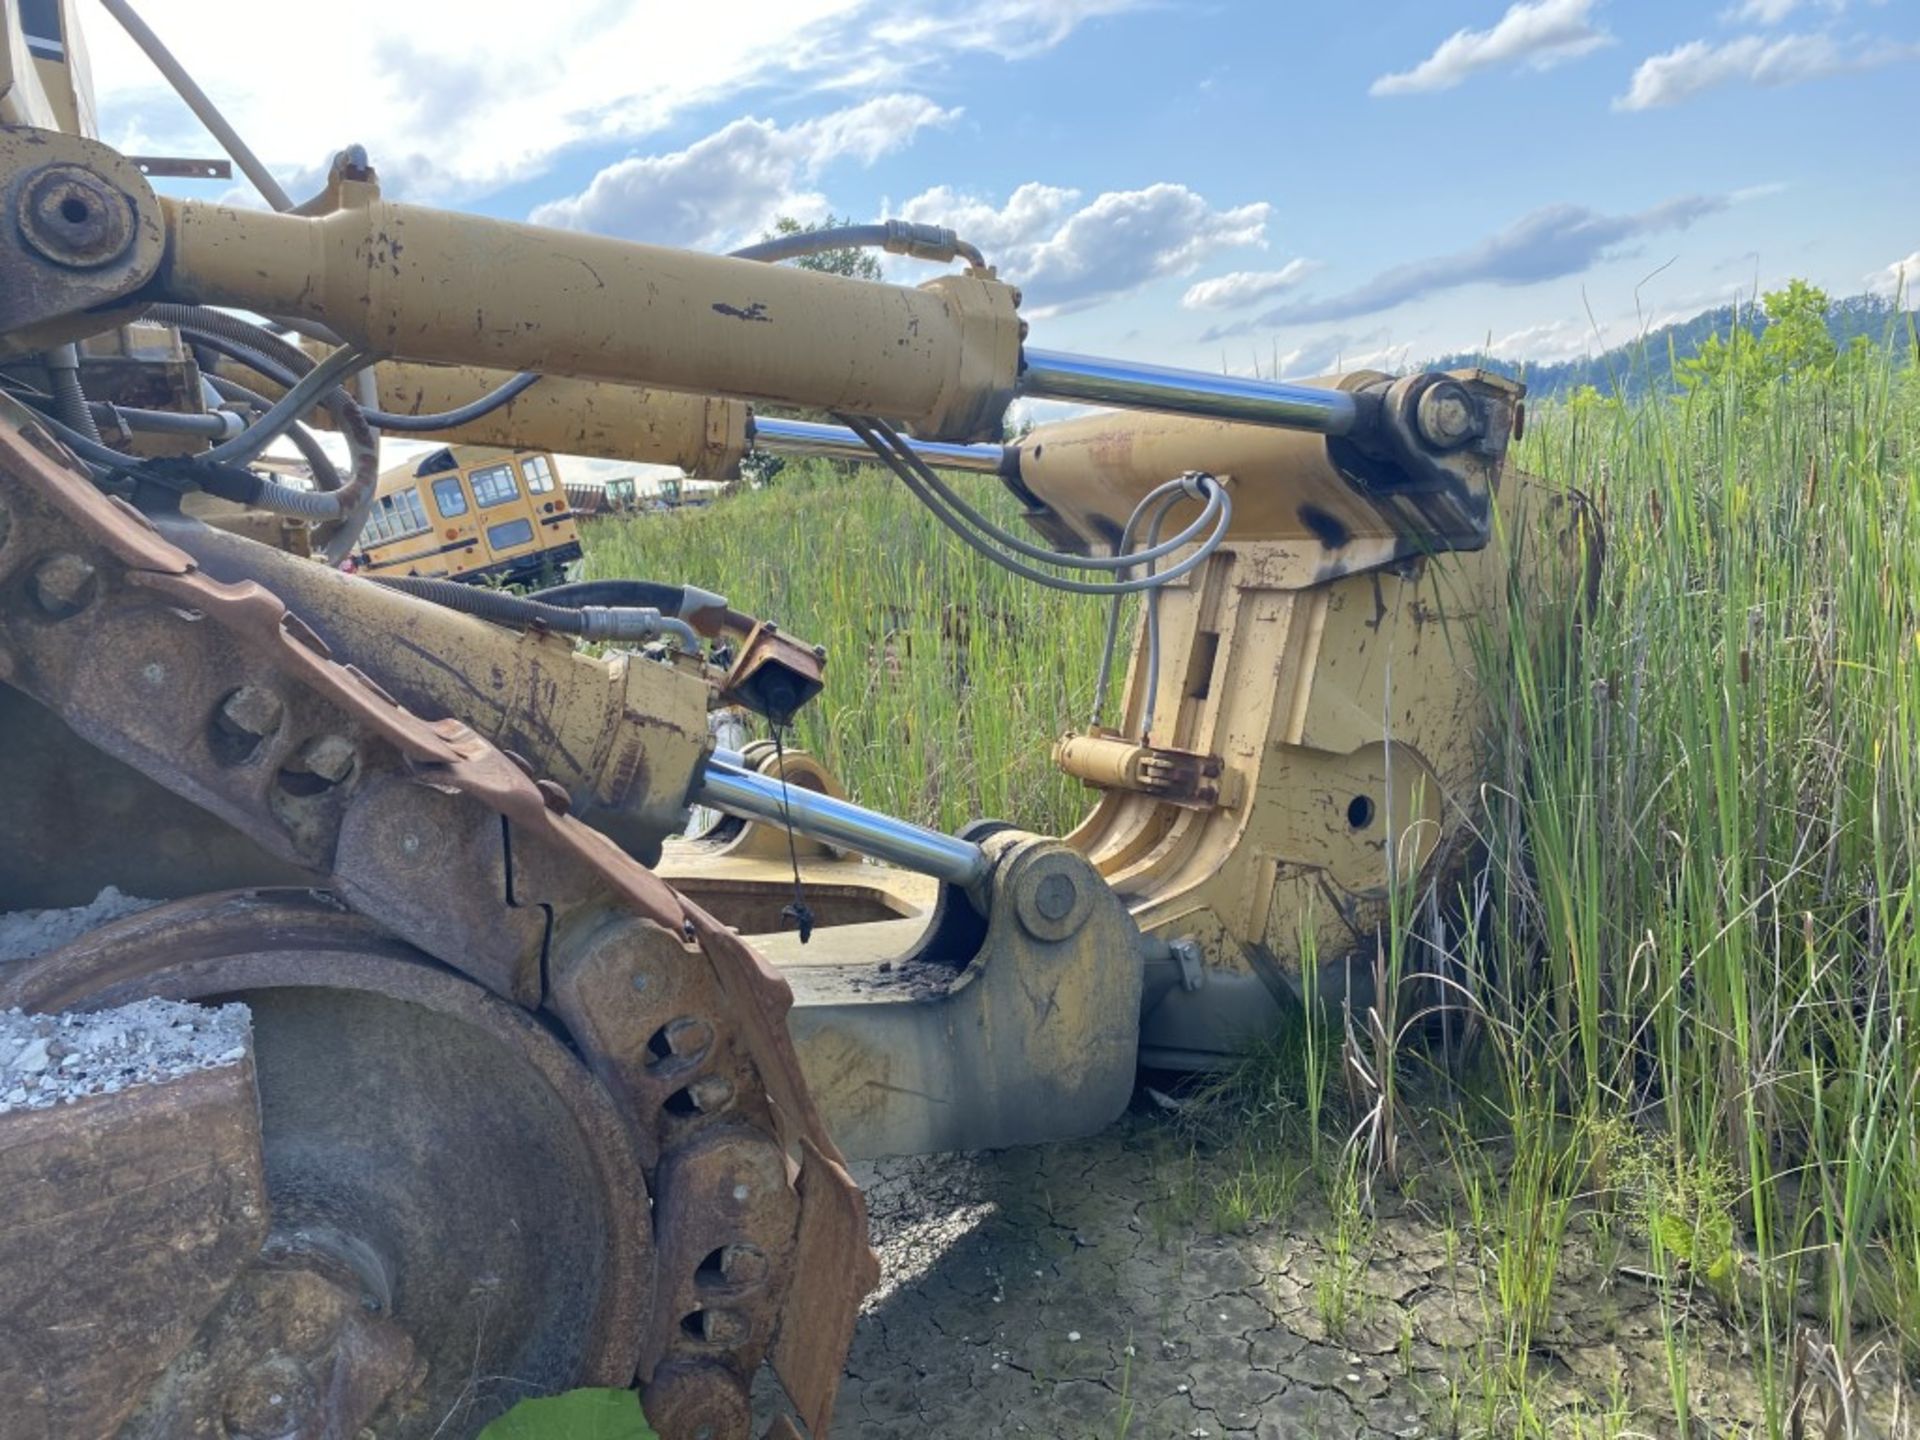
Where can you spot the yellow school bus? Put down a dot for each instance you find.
(470, 512)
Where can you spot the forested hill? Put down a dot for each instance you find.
(1652, 362)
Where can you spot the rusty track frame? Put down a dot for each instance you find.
(114, 630)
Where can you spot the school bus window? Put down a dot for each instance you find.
(449, 497)
(539, 473)
(493, 485)
(408, 510)
(395, 516)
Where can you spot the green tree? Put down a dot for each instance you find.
(1797, 341)
(847, 260)
(1721, 361)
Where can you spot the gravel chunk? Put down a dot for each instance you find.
(47, 1060)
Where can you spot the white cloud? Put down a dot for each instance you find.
(1544, 244)
(1245, 287)
(1066, 258)
(1686, 71)
(459, 97)
(1535, 33)
(1760, 12)
(1900, 280)
(1551, 342)
(1772, 12)
(731, 184)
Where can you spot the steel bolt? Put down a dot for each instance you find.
(330, 757)
(74, 218)
(1447, 416)
(64, 585)
(1054, 896)
(742, 1264)
(684, 1039)
(710, 1093)
(722, 1327)
(252, 710)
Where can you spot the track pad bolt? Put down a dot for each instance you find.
(723, 1328)
(710, 1093)
(252, 710)
(679, 1044)
(742, 1264)
(328, 756)
(64, 585)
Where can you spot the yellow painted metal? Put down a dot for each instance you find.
(622, 735)
(704, 435)
(422, 284)
(1352, 726)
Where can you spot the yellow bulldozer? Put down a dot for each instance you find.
(523, 1084)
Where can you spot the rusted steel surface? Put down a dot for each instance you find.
(426, 829)
(82, 230)
(124, 1219)
(774, 674)
(413, 1123)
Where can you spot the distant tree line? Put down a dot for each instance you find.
(1799, 329)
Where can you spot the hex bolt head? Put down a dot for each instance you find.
(330, 757)
(252, 710)
(64, 585)
(1447, 416)
(74, 218)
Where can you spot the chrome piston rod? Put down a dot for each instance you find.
(727, 786)
(836, 442)
(1054, 375)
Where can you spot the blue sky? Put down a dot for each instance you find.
(1194, 182)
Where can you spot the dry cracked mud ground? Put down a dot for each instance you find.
(1067, 1291)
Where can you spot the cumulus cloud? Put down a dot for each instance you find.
(1545, 244)
(1535, 33)
(1901, 279)
(459, 97)
(732, 183)
(1699, 65)
(1067, 256)
(1246, 287)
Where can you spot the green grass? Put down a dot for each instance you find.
(947, 678)
(1693, 958)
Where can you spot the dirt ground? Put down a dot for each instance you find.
(1068, 1292)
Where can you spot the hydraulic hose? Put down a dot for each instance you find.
(591, 622)
(258, 337)
(260, 349)
(63, 369)
(326, 476)
(706, 612)
(896, 237)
